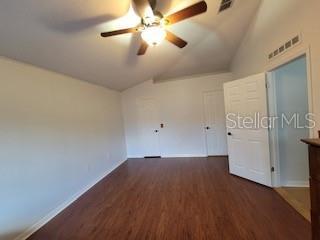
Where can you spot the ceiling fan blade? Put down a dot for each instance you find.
(119, 32)
(153, 4)
(188, 12)
(143, 48)
(179, 42)
(144, 7)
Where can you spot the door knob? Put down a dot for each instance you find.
(208, 128)
(156, 131)
(229, 134)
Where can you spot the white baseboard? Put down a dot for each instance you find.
(173, 156)
(183, 155)
(296, 184)
(28, 232)
(134, 156)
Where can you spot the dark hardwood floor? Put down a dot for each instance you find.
(192, 198)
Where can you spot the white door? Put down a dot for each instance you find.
(247, 127)
(149, 127)
(215, 124)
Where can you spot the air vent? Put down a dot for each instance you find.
(225, 4)
(285, 47)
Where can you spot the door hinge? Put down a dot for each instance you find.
(267, 85)
(272, 169)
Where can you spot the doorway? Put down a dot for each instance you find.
(149, 127)
(215, 124)
(289, 105)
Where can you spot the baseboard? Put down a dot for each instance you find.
(296, 184)
(134, 156)
(27, 233)
(224, 156)
(172, 156)
(183, 155)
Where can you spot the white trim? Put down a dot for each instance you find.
(273, 133)
(296, 184)
(173, 156)
(135, 156)
(205, 139)
(28, 232)
(184, 155)
(287, 58)
(271, 67)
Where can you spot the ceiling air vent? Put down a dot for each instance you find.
(225, 4)
(285, 47)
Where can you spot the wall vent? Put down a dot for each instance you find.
(285, 47)
(225, 4)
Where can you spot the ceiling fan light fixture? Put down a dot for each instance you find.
(153, 25)
(153, 36)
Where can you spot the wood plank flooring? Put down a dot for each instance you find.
(189, 198)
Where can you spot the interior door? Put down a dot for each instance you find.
(215, 124)
(149, 127)
(247, 127)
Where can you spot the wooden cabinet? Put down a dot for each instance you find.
(314, 162)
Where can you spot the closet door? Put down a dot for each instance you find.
(215, 125)
(149, 127)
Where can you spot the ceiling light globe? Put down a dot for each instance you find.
(154, 35)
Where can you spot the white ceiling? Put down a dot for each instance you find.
(64, 36)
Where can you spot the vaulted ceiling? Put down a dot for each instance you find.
(64, 36)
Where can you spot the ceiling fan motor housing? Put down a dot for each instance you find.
(156, 20)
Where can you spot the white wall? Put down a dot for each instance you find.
(276, 22)
(180, 107)
(58, 135)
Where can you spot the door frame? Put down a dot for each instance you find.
(138, 102)
(204, 120)
(272, 104)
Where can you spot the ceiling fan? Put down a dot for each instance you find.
(153, 24)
